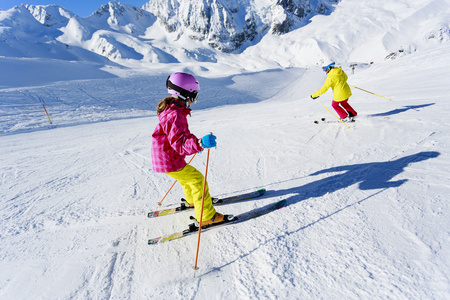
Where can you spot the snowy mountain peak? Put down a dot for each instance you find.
(117, 14)
(227, 24)
(122, 17)
(249, 34)
(50, 15)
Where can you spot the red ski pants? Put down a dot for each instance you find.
(343, 109)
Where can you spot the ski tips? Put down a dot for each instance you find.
(261, 191)
(281, 204)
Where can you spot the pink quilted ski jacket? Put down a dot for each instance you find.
(172, 140)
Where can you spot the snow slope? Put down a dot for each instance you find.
(367, 215)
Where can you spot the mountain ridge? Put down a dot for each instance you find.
(241, 34)
(223, 26)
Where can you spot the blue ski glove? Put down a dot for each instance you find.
(209, 141)
(314, 98)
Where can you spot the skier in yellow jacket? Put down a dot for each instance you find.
(337, 80)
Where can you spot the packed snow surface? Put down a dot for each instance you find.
(367, 215)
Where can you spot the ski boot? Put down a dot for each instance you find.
(215, 220)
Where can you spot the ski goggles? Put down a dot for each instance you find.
(327, 67)
(194, 96)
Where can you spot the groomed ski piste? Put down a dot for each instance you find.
(367, 214)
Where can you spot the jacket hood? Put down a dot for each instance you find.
(336, 71)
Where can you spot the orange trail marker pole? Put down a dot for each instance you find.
(45, 109)
(47, 113)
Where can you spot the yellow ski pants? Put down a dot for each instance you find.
(191, 181)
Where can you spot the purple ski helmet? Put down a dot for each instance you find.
(183, 85)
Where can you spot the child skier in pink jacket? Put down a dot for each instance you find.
(172, 142)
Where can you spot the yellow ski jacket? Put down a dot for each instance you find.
(337, 81)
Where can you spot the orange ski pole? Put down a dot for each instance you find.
(160, 202)
(201, 212)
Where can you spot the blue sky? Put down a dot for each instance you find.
(82, 8)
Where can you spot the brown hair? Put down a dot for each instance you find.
(163, 104)
(167, 102)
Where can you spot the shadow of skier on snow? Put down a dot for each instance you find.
(377, 175)
(401, 110)
(370, 176)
